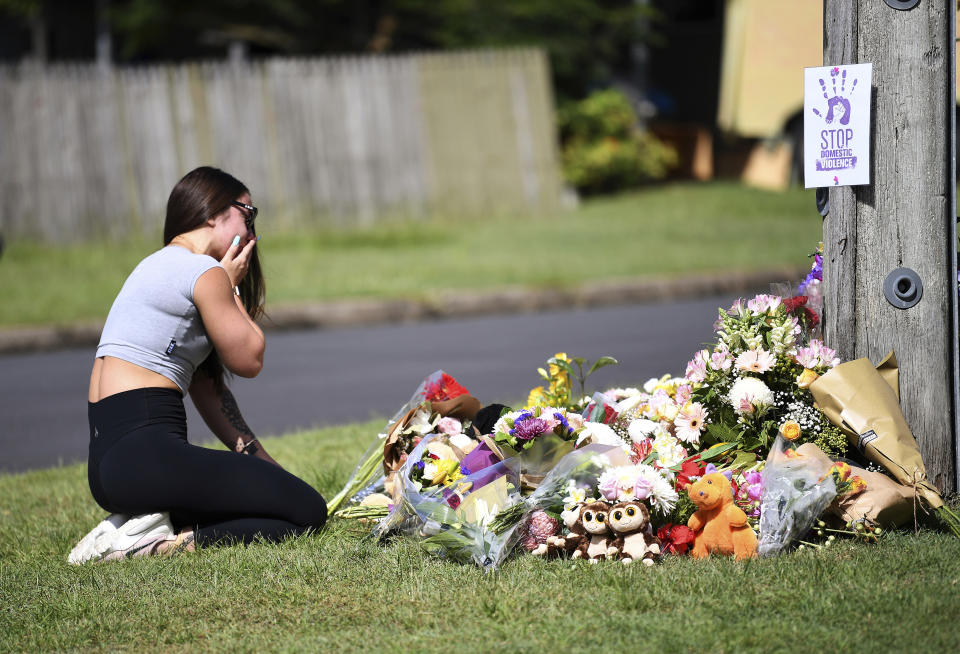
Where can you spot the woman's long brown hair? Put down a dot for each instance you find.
(201, 195)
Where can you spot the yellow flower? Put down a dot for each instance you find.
(558, 373)
(843, 470)
(806, 378)
(537, 397)
(667, 384)
(857, 485)
(447, 472)
(669, 412)
(790, 430)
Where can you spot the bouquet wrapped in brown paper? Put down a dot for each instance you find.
(881, 502)
(862, 401)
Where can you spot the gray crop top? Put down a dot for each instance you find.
(154, 323)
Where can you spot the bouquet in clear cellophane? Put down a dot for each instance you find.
(439, 404)
(573, 479)
(447, 507)
(797, 489)
(478, 516)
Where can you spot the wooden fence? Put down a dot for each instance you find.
(87, 152)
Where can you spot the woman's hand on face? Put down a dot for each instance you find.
(237, 259)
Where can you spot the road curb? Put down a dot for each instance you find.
(346, 313)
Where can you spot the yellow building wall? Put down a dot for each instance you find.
(767, 44)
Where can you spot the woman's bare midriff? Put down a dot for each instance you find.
(111, 376)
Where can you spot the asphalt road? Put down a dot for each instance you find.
(328, 377)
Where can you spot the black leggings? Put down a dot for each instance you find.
(140, 462)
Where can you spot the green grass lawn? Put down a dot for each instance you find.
(337, 591)
(662, 231)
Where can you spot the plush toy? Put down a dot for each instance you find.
(564, 545)
(720, 526)
(595, 544)
(630, 522)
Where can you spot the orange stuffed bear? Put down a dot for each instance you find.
(719, 525)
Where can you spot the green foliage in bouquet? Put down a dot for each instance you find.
(682, 511)
(604, 151)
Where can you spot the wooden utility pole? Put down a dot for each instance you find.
(905, 217)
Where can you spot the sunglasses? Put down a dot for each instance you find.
(251, 214)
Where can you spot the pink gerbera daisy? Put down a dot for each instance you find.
(690, 422)
(759, 361)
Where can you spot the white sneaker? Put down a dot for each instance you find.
(83, 551)
(138, 536)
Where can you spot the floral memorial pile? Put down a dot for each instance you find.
(764, 444)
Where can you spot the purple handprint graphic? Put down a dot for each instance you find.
(838, 106)
(836, 143)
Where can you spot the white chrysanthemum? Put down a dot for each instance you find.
(662, 495)
(501, 424)
(600, 434)
(637, 482)
(640, 428)
(749, 389)
(620, 484)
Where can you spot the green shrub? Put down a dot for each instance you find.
(603, 149)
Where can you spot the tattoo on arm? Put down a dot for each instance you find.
(230, 410)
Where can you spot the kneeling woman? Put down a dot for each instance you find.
(184, 315)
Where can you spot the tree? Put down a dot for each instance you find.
(588, 40)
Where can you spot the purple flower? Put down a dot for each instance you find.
(815, 274)
(529, 428)
(419, 465)
(608, 487)
(563, 421)
(642, 488)
(754, 483)
(464, 470)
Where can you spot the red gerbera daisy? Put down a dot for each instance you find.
(445, 388)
